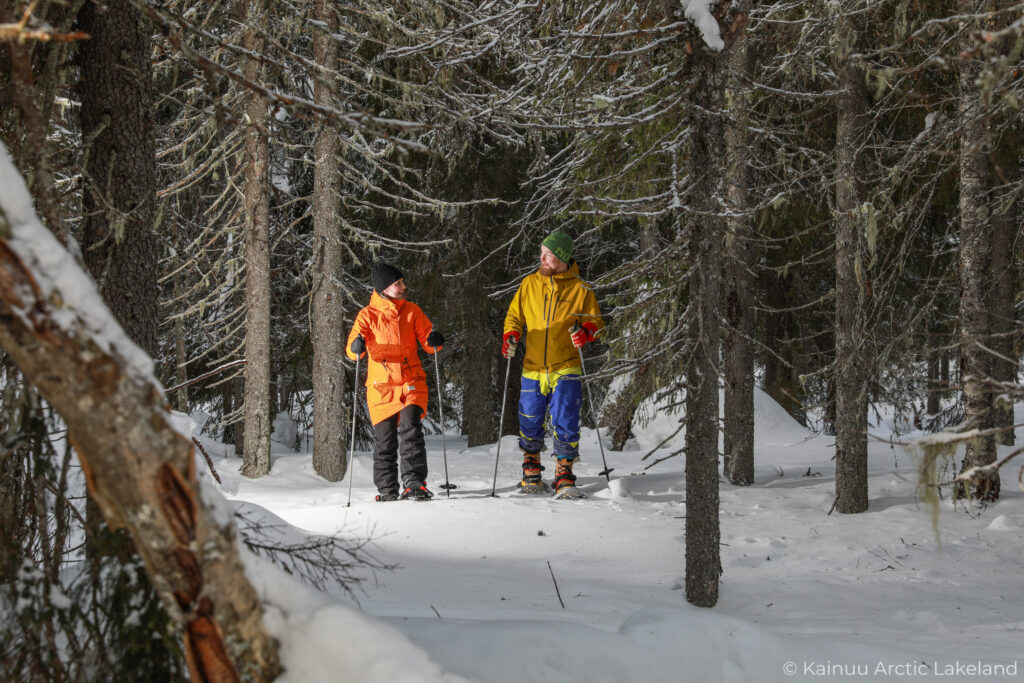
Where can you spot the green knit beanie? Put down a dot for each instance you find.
(560, 245)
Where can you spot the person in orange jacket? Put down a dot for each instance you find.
(387, 330)
(558, 313)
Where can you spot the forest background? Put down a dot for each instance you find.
(821, 198)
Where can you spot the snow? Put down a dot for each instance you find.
(699, 12)
(321, 641)
(182, 423)
(773, 426)
(804, 595)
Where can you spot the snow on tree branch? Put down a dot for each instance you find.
(699, 12)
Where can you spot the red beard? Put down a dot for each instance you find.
(547, 271)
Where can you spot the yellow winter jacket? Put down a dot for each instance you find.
(547, 308)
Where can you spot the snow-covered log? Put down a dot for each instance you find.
(139, 469)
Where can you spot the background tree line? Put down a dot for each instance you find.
(821, 199)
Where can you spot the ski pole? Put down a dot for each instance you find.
(444, 448)
(501, 426)
(352, 441)
(590, 399)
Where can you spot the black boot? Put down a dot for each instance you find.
(417, 491)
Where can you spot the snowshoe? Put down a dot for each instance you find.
(416, 491)
(532, 487)
(568, 493)
(386, 497)
(565, 481)
(532, 468)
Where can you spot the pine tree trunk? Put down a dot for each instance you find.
(1002, 316)
(703, 561)
(238, 428)
(780, 380)
(30, 144)
(484, 367)
(975, 257)
(180, 351)
(119, 243)
(119, 246)
(935, 386)
(326, 324)
(256, 456)
(737, 352)
(617, 416)
(852, 267)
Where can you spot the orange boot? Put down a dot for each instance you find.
(565, 480)
(532, 468)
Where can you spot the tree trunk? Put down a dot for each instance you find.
(935, 387)
(120, 247)
(237, 429)
(138, 469)
(703, 561)
(618, 415)
(975, 257)
(326, 325)
(180, 351)
(256, 455)
(852, 268)
(33, 126)
(737, 352)
(484, 367)
(1002, 316)
(780, 379)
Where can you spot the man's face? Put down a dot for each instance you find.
(549, 263)
(396, 290)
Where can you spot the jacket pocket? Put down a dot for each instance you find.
(379, 394)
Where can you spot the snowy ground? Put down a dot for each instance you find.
(804, 595)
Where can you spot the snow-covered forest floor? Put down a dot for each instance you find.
(804, 595)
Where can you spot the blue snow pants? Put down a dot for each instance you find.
(560, 394)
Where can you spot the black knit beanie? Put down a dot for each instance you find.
(383, 276)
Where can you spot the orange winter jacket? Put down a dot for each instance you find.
(394, 376)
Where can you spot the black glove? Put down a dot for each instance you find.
(435, 339)
(358, 346)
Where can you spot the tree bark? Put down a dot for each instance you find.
(852, 268)
(119, 245)
(256, 446)
(326, 324)
(780, 377)
(485, 368)
(617, 415)
(703, 560)
(737, 351)
(975, 258)
(935, 385)
(138, 469)
(33, 128)
(1002, 316)
(180, 350)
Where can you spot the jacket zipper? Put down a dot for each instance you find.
(549, 314)
(545, 329)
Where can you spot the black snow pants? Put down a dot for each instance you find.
(407, 423)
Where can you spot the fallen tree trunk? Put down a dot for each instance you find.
(138, 468)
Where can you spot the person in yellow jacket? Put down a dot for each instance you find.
(387, 330)
(558, 313)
